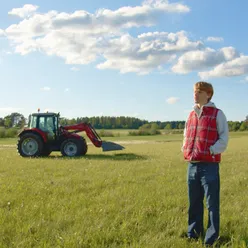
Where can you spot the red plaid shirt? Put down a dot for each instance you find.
(201, 133)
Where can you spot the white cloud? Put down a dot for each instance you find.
(67, 90)
(246, 78)
(2, 33)
(225, 62)
(83, 38)
(145, 53)
(172, 100)
(165, 5)
(25, 11)
(235, 67)
(202, 59)
(124, 17)
(215, 39)
(45, 88)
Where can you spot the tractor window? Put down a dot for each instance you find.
(42, 123)
(50, 124)
(47, 125)
(56, 123)
(32, 121)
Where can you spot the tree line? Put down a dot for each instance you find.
(98, 122)
(17, 120)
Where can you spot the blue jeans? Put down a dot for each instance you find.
(204, 180)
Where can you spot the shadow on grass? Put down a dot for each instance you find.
(122, 156)
(119, 157)
(226, 241)
(222, 240)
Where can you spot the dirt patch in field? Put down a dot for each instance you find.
(121, 142)
(7, 146)
(128, 142)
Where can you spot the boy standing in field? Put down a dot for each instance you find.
(205, 138)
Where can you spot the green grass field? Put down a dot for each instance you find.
(132, 198)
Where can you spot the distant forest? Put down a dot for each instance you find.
(122, 122)
(101, 122)
(109, 122)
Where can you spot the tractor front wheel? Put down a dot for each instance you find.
(30, 145)
(84, 146)
(71, 148)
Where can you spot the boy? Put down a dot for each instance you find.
(205, 138)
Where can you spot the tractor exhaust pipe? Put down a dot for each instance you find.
(111, 146)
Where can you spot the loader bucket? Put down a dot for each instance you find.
(111, 146)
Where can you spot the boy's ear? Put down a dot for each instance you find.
(209, 96)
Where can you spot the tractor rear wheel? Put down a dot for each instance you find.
(71, 147)
(30, 145)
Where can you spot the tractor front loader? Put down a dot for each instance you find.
(44, 135)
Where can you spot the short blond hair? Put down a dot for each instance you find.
(204, 86)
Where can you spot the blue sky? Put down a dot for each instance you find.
(122, 58)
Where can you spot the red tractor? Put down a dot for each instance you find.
(44, 135)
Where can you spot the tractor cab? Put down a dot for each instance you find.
(47, 122)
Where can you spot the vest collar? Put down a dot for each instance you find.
(198, 111)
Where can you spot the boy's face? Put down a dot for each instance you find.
(201, 97)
